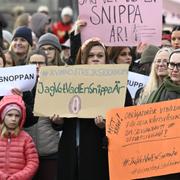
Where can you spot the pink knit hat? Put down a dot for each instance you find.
(10, 107)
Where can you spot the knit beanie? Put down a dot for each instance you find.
(8, 108)
(67, 11)
(49, 39)
(7, 36)
(148, 54)
(25, 33)
(38, 23)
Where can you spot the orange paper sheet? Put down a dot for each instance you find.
(144, 141)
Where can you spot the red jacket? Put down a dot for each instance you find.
(61, 31)
(18, 155)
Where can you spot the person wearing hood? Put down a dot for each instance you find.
(62, 28)
(40, 24)
(18, 155)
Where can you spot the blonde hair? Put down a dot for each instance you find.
(153, 82)
(5, 133)
(17, 57)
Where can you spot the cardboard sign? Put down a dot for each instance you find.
(135, 82)
(122, 22)
(144, 140)
(21, 77)
(80, 91)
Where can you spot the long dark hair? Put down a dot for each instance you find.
(3, 57)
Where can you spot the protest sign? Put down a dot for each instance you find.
(21, 77)
(144, 140)
(84, 91)
(122, 22)
(135, 82)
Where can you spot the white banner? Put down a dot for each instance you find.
(135, 82)
(20, 77)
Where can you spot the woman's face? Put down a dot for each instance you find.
(20, 46)
(175, 39)
(124, 57)
(161, 64)
(1, 62)
(96, 55)
(50, 51)
(174, 68)
(38, 60)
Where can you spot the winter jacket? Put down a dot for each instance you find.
(61, 30)
(82, 155)
(44, 136)
(18, 155)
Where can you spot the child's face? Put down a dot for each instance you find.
(12, 119)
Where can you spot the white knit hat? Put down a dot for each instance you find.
(43, 9)
(7, 36)
(67, 11)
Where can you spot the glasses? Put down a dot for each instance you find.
(49, 49)
(158, 61)
(172, 65)
(39, 63)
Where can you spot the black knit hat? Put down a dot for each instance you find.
(25, 33)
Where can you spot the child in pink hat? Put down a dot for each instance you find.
(18, 155)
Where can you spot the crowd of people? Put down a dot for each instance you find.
(57, 148)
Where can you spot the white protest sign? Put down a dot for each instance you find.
(122, 22)
(21, 77)
(135, 82)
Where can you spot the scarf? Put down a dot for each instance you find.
(167, 86)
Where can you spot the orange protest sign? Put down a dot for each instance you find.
(144, 141)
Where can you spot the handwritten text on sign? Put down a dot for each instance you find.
(80, 91)
(126, 22)
(144, 141)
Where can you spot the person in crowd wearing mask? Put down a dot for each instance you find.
(49, 43)
(62, 28)
(18, 155)
(21, 44)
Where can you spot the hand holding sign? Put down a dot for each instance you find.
(79, 24)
